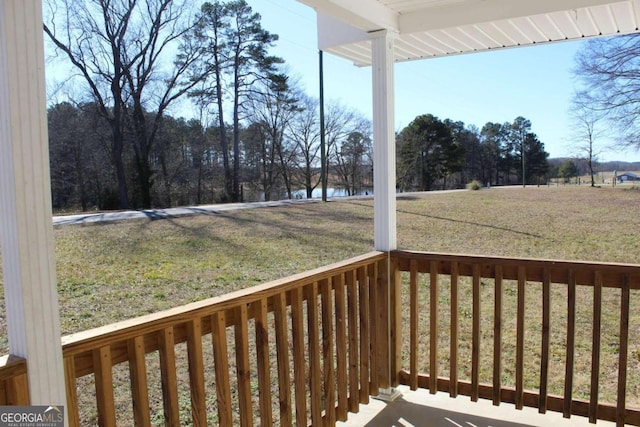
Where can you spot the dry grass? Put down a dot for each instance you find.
(592, 224)
(108, 273)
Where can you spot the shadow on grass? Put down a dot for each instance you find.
(460, 221)
(290, 222)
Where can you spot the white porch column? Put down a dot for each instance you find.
(26, 231)
(384, 152)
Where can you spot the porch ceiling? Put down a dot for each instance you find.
(435, 28)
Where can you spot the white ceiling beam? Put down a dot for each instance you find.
(468, 13)
(333, 32)
(365, 15)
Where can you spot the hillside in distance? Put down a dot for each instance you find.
(613, 165)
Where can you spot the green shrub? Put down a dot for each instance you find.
(474, 185)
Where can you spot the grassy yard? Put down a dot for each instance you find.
(108, 273)
(112, 272)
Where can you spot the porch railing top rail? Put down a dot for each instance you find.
(613, 274)
(11, 366)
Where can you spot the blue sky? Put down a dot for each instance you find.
(497, 86)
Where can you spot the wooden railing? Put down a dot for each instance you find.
(309, 349)
(231, 359)
(14, 389)
(519, 330)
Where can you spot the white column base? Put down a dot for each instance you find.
(388, 394)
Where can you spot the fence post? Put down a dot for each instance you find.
(14, 387)
(395, 321)
(382, 323)
(388, 334)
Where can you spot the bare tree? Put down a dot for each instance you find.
(609, 69)
(585, 129)
(304, 131)
(125, 51)
(340, 122)
(274, 106)
(351, 162)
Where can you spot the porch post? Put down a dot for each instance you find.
(384, 152)
(26, 236)
(384, 178)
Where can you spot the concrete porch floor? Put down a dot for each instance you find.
(421, 409)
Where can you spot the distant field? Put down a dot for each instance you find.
(604, 178)
(112, 272)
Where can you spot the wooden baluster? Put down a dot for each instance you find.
(327, 352)
(104, 386)
(341, 348)
(221, 361)
(242, 366)
(571, 340)
(282, 346)
(455, 328)
(623, 352)
(315, 373)
(168, 376)
(497, 336)
(299, 360)
(71, 391)
(264, 369)
(475, 345)
(365, 334)
(354, 360)
(138, 379)
(413, 325)
(522, 281)
(434, 309)
(595, 349)
(544, 357)
(196, 373)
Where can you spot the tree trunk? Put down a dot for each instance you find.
(165, 177)
(235, 194)
(118, 163)
(118, 138)
(307, 179)
(224, 142)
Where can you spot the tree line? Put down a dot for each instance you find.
(254, 133)
(138, 58)
(114, 144)
(440, 154)
(279, 158)
(279, 149)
